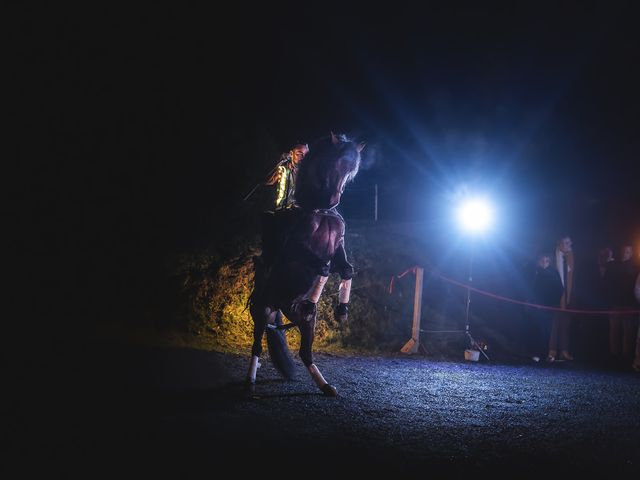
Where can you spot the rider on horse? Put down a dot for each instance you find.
(302, 245)
(285, 175)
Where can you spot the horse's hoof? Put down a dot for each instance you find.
(249, 389)
(329, 390)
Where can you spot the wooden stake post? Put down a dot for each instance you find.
(413, 344)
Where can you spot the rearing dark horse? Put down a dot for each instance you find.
(301, 246)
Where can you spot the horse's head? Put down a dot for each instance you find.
(330, 164)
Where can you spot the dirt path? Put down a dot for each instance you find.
(173, 410)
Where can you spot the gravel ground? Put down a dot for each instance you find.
(173, 411)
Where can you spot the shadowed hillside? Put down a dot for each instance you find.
(211, 288)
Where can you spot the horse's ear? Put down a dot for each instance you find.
(360, 146)
(334, 139)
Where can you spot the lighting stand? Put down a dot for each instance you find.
(472, 341)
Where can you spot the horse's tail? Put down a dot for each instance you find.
(279, 352)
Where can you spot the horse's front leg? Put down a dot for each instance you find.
(313, 295)
(344, 291)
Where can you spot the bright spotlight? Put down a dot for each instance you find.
(475, 215)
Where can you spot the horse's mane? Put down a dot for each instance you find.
(331, 163)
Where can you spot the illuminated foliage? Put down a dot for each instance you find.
(216, 292)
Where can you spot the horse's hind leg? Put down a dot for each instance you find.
(327, 389)
(254, 364)
(260, 315)
(307, 323)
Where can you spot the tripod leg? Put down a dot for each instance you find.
(475, 345)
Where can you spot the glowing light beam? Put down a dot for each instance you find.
(475, 215)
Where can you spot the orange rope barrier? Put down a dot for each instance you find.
(512, 300)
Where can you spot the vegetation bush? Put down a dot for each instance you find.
(215, 291)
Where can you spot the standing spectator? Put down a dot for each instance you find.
(636, 362)
(546, 289)
(594, 295)
(560, 328)
(605, 256)
(622, 326)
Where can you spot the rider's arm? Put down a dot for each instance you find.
(275, 176)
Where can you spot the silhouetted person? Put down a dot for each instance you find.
(560, 329)
(636, 361)
(594, 295)
(284, 179)
(546, 289)
(622, 327)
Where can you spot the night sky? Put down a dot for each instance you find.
(140, 130)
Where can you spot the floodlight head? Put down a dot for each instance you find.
(475, 215)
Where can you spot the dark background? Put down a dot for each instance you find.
(135, 132)
(138, 131)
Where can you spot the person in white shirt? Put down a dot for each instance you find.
(560, 329)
